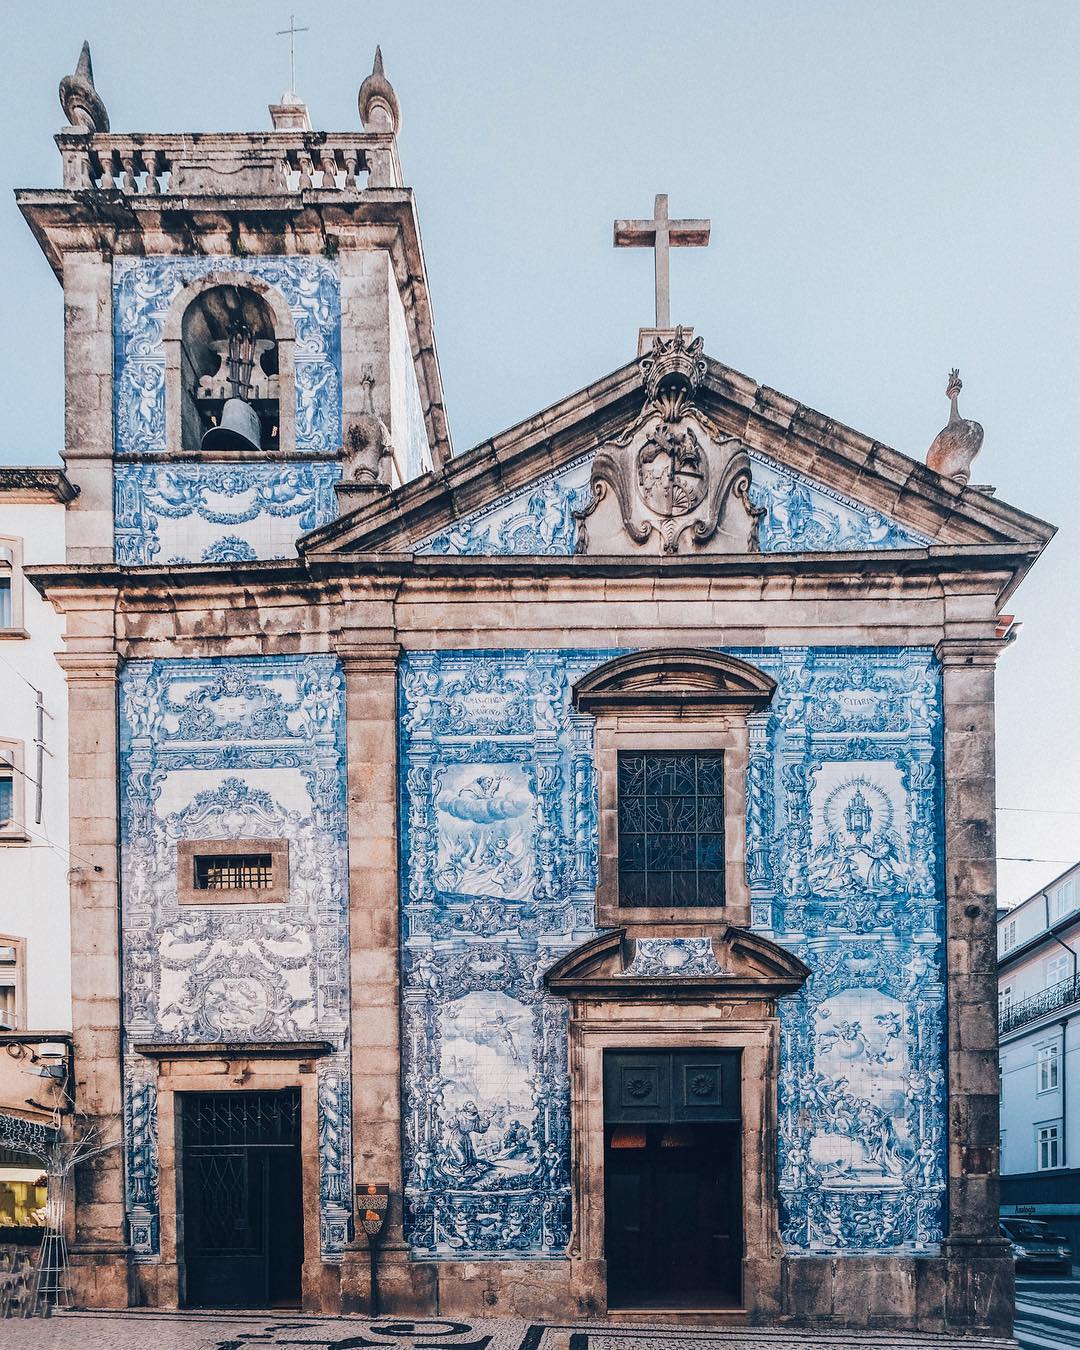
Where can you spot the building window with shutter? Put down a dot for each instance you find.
(12, 984)
(12, 795)
(1046, 1060)
(1048, 1146)
(11, 587)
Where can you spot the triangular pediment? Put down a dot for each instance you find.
(737, 467)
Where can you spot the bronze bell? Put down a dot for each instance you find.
(239, 428)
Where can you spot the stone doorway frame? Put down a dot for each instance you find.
(253, 1068)
(734, 1009)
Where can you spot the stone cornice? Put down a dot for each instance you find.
(752, 967)
(30, 482)
(507, 461)
(998, 567)
(376, 658)
(90, 667)
(964, 652)
(684, 681)
(233, 1050)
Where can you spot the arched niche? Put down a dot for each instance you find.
(197, 329)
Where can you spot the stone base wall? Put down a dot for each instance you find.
(962, 1292)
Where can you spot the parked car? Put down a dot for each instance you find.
(1035, 1246)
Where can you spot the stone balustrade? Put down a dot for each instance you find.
(259, 163)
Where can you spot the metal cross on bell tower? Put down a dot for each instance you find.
(662, 234)
(291, 33)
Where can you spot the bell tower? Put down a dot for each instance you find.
(248, 332)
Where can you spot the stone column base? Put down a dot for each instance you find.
(100, 1275)
(155, 1284)
(320, 1286)
(980, 1286)
(404, 1286)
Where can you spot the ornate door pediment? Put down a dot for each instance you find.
(733, 963)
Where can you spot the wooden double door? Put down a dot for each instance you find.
(672, 1184)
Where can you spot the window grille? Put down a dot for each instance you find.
(7, 795)
(236, 1119)
(671, 829)
(234, 872)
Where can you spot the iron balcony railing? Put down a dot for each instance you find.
(1038, 1005)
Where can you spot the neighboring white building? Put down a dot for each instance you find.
(35, 962)
(1039, 1019)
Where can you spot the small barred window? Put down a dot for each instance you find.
(234, 872)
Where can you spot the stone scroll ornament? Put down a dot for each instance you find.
(674, 474)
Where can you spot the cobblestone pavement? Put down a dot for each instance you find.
(1048, 1313)
(747, 1338)
(149, 1330)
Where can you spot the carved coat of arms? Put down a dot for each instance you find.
(673, 480)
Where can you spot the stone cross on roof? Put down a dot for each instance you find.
(660, 234)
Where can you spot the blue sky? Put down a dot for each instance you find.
(894, 190)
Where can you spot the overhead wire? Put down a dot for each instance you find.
(16, 671)
(60, 848)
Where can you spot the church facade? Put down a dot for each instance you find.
(574, 855)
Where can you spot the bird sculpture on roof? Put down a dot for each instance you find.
(958, 442)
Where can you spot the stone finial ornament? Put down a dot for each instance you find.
(379, 108)
(79, 99)
(958, 442)
(672, 371)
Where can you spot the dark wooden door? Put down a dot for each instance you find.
(241, 1199)
(673, 1201)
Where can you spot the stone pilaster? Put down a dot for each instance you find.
(99, 1251)
(979, 1272)
(371, 737)
(88, 404)
(366, 277)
